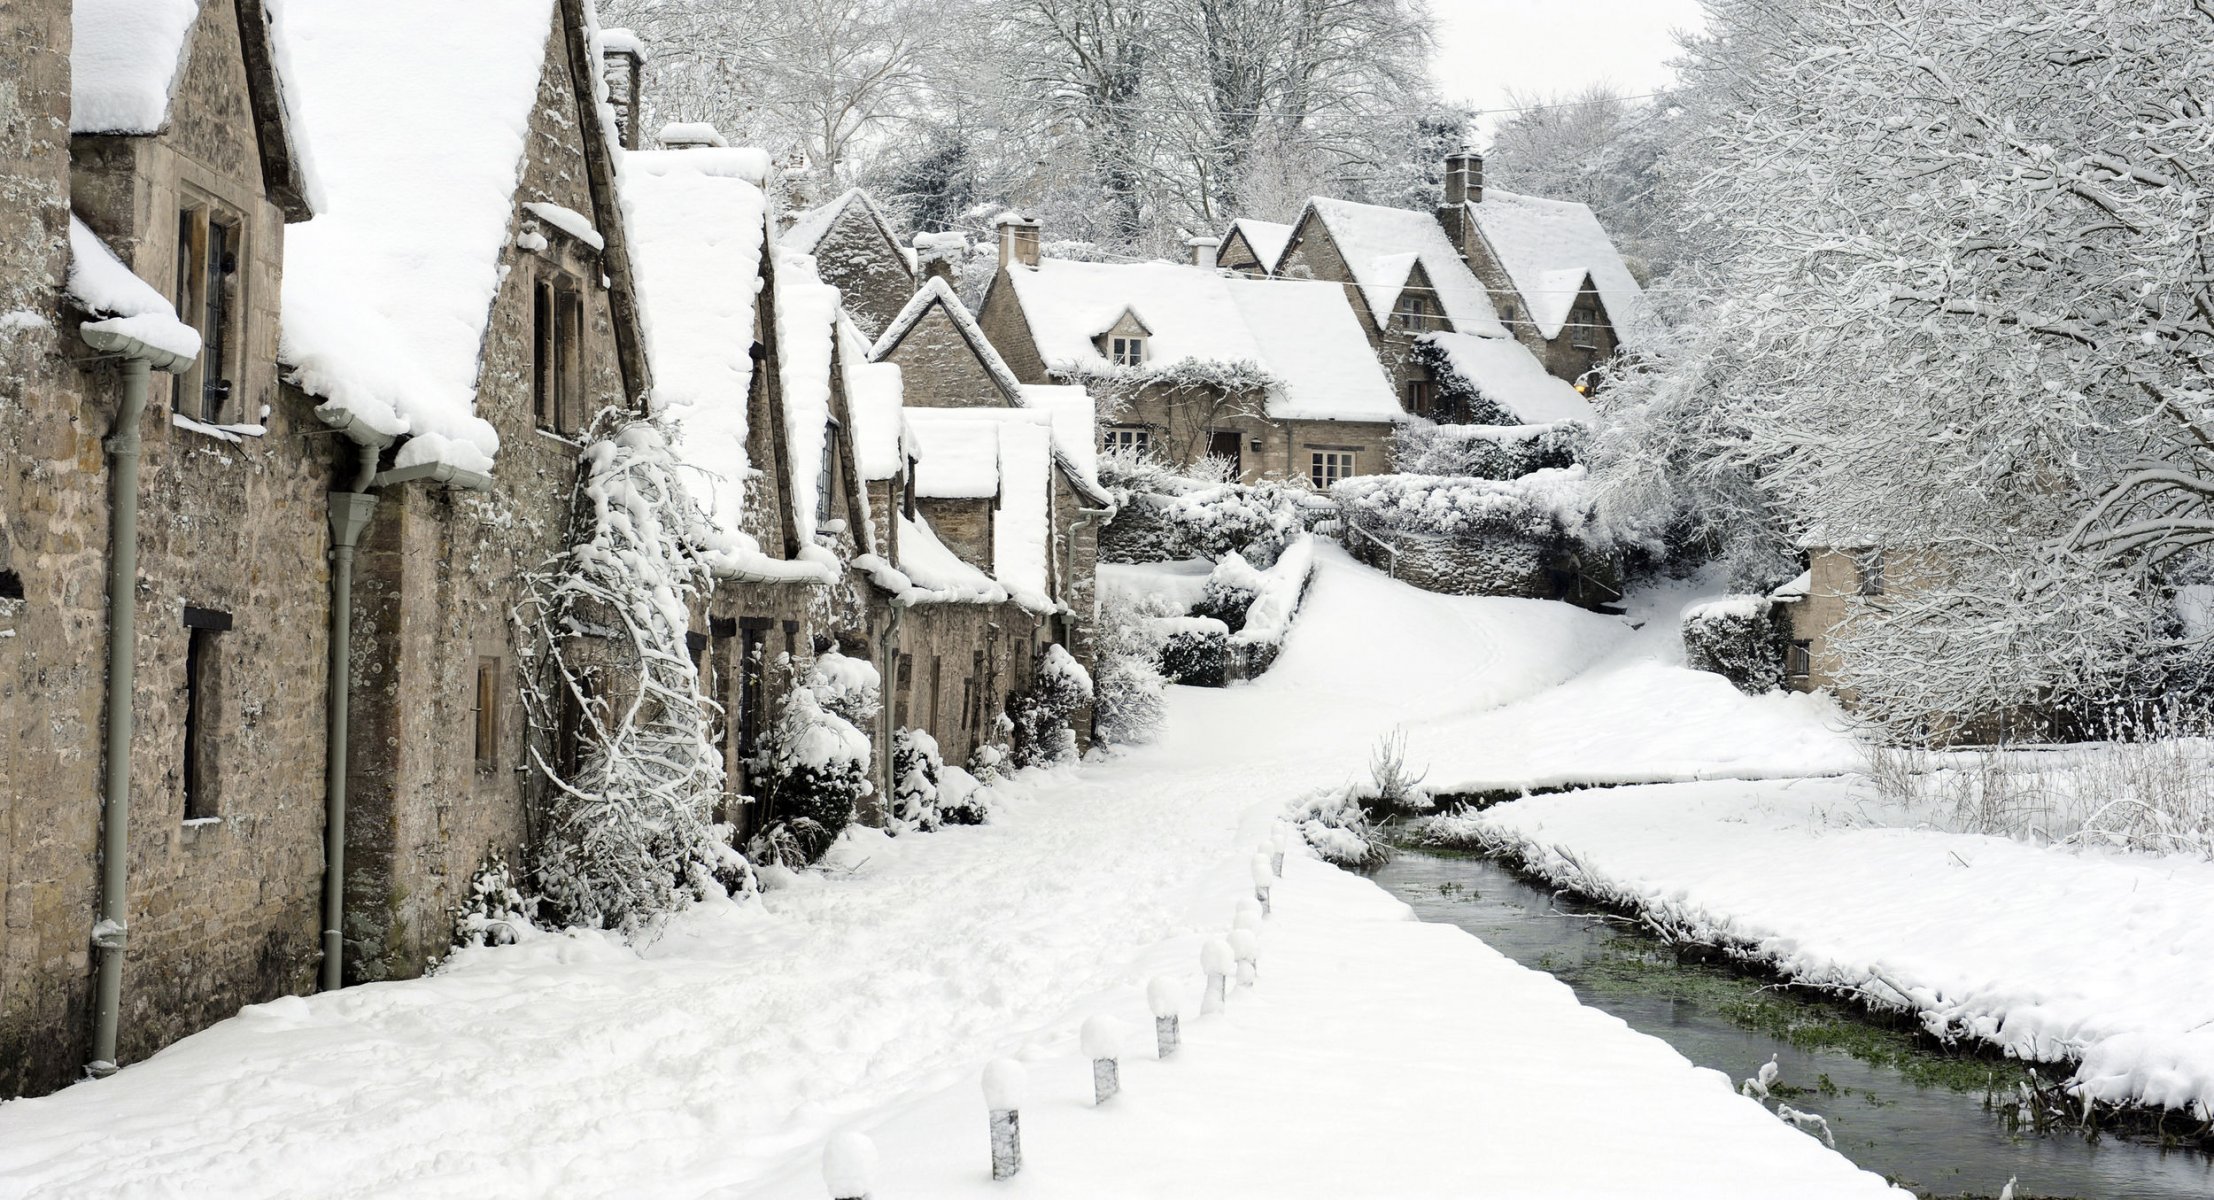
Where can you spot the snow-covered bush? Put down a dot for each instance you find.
(1059, 687)
(1333, 822)
(1740, 638)
(496, 911)
(1195, 651)
(962, 798)
(916, 770)
(1130, 704)
(991, 761)
(1228, 593)
(1548, 507)
(629, 832)
(815, 762)
(1498, 452)
(1274, 598)
(1162, 516)
(1392, 788)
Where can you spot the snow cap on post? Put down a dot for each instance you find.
(1004, 1084)
(1102, 1037)
(1249, 914)
(849, 1166)
(1262, 876)
(1217, 957)
(1163, 996)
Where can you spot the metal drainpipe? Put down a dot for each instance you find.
(888, 802)
(113, 931)
(111, 934)
(350, 512)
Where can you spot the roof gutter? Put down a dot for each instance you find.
(111, 934)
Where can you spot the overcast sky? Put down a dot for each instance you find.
(1486, 47)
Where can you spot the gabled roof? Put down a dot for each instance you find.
(1266, 239)
(699, 222)
(1007, 453)
(1547, 248)
(1380, 247)
(810, 227)
(1075, 451)
(1505, 372)
(1301, 333)
(127, 57)
(874, 394)
(1131, 312)
(388, 291)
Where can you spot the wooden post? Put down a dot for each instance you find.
(1161, 997)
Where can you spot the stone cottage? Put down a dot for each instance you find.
(1252, 247)
(1035, 530)
(1190, 362)
(857, 251)
(160, 758)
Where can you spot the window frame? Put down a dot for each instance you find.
(1422, 396)
(1799, 659)
(1330, 465)
(210, 297)
(1868, 572)
(1126, 350)
(557, 353)
(1412, 312)
(485, 711)
(200, 779)
(1135, 438)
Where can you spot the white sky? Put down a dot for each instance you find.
(1486, 47)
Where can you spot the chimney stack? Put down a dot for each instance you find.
(1018, 241)
(1203, 251)
(937, 253)
(1464, 179)
(623, 64)
(689, 135)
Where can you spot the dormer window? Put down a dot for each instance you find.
(1126, 351)
(209, 251)
(1413, 311)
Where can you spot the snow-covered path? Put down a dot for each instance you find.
(716, 1062)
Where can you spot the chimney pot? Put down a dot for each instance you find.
(1464, 178)
(1203, 251)
(1018, 241)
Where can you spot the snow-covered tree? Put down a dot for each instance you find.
(1969, 317)
(631, 763)
(1059, 687)
(815, 759)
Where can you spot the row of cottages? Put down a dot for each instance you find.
(1295, 350)
(286, 434)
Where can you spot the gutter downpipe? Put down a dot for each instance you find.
(350, 513)
(111, 934)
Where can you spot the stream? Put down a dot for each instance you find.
(1895, 1106)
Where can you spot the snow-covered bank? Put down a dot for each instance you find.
(2050, 953)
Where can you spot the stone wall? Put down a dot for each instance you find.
(869, 271)
(1816, 618)
(965, 526)
(958, 666)
(939, 369)
(1008, 330)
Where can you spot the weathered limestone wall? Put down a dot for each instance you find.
(223, 910)
(868, 270)
(1005, 327)
(53, 521)
(939, 369)
(965, 526)
(1816, 619)
(960, 664)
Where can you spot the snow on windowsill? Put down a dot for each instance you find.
(567, 220)
(228, 433)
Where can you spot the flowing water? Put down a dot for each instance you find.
(1895, 1106)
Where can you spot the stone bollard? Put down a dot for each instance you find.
(1004, 1081)
(1103, 1045)
(1161, 996)
(1246, 944)
(849, 1163)
(1249, 915)
(1261, 881)
(1218, 960)
(1277, 844)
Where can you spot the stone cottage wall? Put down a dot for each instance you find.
(870, 273)
(939, 369)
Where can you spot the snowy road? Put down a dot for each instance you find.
(1379, 1057)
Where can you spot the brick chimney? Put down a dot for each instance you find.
(623, 65)
(1018, 241)
(1203, 251)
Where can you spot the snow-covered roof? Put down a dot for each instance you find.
(874, 393)
(120, 301)
(124, 60)
(979, 453)
(1798, 589)
(806, 325)
(810, 227)
(1078, 459)
(1547, 247)
(697, 224)
(1074, 420)
(1380, 247)
(936, 572)
(1505, 372)
(388, 290)
(1301, 333)
(1266, 238)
